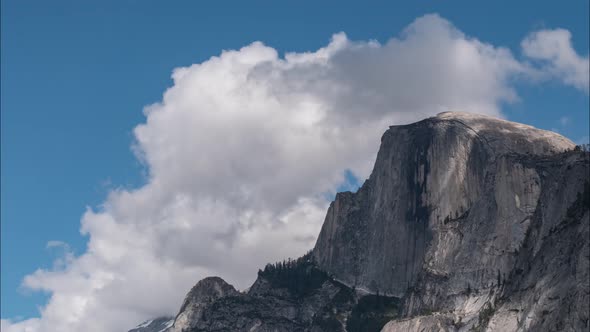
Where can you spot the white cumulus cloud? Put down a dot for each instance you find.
(241, 151)
(554, 49)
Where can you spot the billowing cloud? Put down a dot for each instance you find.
(553, 48)
(241, 152)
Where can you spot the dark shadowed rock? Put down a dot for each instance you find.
(292, 296)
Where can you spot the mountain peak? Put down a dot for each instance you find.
(206, 291)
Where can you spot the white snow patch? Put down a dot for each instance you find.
(167, 326)
(144, 324)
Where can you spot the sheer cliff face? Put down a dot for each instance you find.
(450, 204)
(447, 196)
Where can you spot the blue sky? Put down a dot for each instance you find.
(77, 74)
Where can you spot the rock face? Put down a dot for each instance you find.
(467, 223)
(471, 215)
(449, 192)
(202, 294)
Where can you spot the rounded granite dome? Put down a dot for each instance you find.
(508, 137)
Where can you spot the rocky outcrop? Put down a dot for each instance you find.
(287, 297)
(429, 323)
(202, 294)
